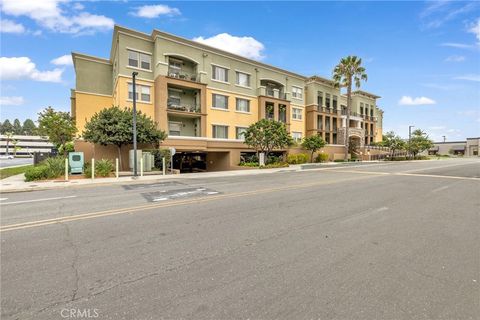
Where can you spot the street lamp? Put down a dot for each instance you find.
(134, 74)
(444, 138)
(409, 137)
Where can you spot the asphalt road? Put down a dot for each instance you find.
(378, 241)
(6, 163)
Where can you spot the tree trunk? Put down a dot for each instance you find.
(311, 157)
(8, 145)
(349, 107)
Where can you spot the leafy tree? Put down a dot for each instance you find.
(313, 144)
(267, 135)
(29, 127)
(114, 126)
(58, 126)
(393, 142)
(419, 142)
(17, 127)
(7, 127)
(347, 73)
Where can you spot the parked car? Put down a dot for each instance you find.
(6, 157)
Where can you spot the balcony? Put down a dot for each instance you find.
(176, 105)
(183, 75)
(182, 99)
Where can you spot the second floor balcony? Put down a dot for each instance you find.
(183, 100)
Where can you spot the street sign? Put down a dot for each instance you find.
(172, 151)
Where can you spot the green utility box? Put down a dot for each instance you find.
(76, 162)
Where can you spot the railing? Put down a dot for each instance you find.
(175, 106)
(183, 75)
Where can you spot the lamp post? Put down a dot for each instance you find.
(444, 138)
(134, 74)
(409, 137)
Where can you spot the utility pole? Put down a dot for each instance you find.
(444, 138)
(134, 74)
(409, 137)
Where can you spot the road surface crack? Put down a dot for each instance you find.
(73, 265)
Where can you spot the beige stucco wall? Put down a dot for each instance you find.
(86, 105)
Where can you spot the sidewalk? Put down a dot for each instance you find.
(17, 183)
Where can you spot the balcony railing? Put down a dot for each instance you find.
(174, 105)
(183, 75)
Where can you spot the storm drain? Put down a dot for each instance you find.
(184, 193)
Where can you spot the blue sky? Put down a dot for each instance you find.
(423, 58)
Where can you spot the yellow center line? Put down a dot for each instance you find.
(111, 212)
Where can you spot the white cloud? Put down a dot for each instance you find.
(50, 15)
(11, 101)
(65, 60)
(438, 13)
(243, 46)
(9, 26)
(16, 68)
(457, 45)
(455, 58)
(469, 77)
(154, 11)
(78, 6)
(475, 29)
(418, 101)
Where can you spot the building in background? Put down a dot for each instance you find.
(469, 148)
(205, 98)
(24, 145)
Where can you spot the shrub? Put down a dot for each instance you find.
(339, 160)
(55, 167)
(87, 170)
(273, 159)
(36, 173)
(248, 164)
(158, 155)
(275, 165)
(321, 157)
(297, 158)
(103, 167)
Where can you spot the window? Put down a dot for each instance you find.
(297, 136)
(320, 99)
(219, 73)
(243, 105)
(334, 102)
(371, 112)
(239, 133)
(297, 92)
(220, 132)
(243, 79)
(174, 128)
(142, 93)
(139, 60)
(327, 101)
(219, 101)
(297, 113)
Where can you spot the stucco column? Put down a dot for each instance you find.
(344, 122)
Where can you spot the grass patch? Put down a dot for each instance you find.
(8, 172)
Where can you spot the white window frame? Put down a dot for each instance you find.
(139, 92)
(214, 126)
(236, 133)
(297, 139)
(236, 105)
(139, 56)
(214, 73)
(297, 116)
(213, 101)
(298, 93)
(237, 78)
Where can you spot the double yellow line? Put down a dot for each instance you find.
(98, 214)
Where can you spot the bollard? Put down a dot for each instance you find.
(116, 168)
(163, 165)
(93, 168)
(66, 169)
(141, 166)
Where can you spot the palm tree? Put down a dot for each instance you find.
(349, 71)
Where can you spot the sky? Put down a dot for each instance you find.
(422, 58)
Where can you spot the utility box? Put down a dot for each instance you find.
(76, 162)
(130, 159)
(147, 161)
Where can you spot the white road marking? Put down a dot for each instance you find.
(37, 200)
(160, 199)
(1, 199)
(440, 189)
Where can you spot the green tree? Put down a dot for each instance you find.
(29, 127)
(419, 142)
(58, 126)
(313, 144)
(267, 135)
(17, 127)
(393, 142)
(114, 126)
(347, 73)
(7, 127)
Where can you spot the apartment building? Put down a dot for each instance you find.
(205, 98)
